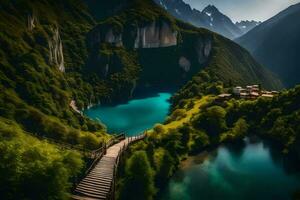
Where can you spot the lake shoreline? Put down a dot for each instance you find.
(202, 158)
(135, 116)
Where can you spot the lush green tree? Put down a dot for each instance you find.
(239, 131)
(138, 181)
(159, 129)
(212, 120)
(164, 166)
(199, 141)
(31, 169)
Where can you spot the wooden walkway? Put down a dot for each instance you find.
(100, 180)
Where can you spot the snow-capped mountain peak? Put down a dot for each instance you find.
(210, 17)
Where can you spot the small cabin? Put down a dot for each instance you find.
(267, 95)
(224, 96)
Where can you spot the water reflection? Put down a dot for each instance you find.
(252, 169)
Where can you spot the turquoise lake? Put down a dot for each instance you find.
(249, 172)
(134, 117)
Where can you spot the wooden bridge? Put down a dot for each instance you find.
(99, 182)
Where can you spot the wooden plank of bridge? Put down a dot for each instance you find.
(98, 183)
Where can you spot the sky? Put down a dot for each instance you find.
(259, 10)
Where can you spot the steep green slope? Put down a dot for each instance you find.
(169, 51)
(34, 169)
(230, 65)
(275, 43)
(40, 74)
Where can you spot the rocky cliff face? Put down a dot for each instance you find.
(31, 23)
(203, 48)
(154, 35)
(184, 63)
(56, 56)
(112, 38)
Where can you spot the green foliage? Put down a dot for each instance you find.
(277, 119)
(138, 182)
(177, 115)
(212, 120)
(30, 169)
(199, 140)
(164, 166)
(159, 129)
(239, 130)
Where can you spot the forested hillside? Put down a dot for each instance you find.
(57, 58)
(200, 124)
(275, 44)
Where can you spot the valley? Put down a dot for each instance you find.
(74, 74)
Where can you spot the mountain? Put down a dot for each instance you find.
(220, 23)
(275, 44)
(180, 50)
(247, 25)
(70, 56)
(210, 17)
(60, 57)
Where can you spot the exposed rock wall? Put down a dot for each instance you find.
(157, 34)
(112, 38)
(154, 35)
(203, 48)
(184, 63)
(98, 36)
(74, 107)
(31, 21)
(56, 56)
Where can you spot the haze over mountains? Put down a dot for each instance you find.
(247, 25)
(210, 18)
(276, 44)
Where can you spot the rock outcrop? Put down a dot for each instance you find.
(115, 39)
(56, 56)
(184, 63)
(203, 48)
(154, 35)
(157, 34)
(31, 21)
(74, 107)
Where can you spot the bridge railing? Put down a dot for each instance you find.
(99, 153)
(63, 145)
(115, 170)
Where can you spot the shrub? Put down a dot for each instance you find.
(178, 114)
(212, 120)
(139, 181)
(159, 129)
(30, 169)
(89, 141)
